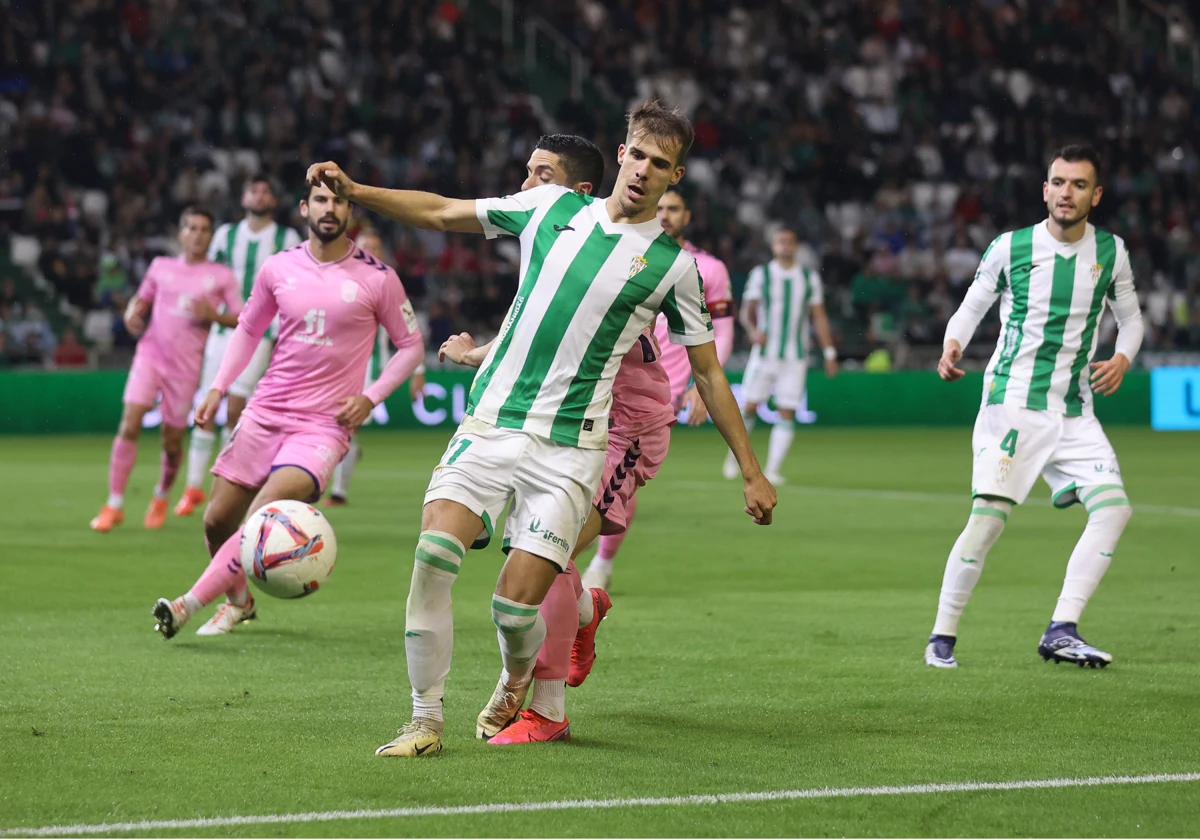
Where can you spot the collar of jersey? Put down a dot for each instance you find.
(265, 233)
(599, 209)
(339, 261)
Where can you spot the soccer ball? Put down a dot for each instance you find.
(288, 549)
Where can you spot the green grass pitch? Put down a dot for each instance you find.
(736, 659)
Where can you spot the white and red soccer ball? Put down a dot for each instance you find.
(288, 549)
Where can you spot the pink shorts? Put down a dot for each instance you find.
(264, 441)
(147, 380)
(628, 465)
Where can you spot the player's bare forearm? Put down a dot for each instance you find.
(722, 407)
(748, 316)
(417, 209)
(226, 319)
(821, 324)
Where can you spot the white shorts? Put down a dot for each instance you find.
(244, 385)
(784, 378)
(1014, 445)
(550, 486)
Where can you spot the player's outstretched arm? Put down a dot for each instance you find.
(410, 207)
(714, 390)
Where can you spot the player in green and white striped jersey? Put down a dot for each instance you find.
(594, 275)
(1054, 281)
(339, 488)
(243, 246)
(780, 296)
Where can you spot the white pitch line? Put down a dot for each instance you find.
(579, 804)
(912, 496)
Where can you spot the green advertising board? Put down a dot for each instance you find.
(44, 402)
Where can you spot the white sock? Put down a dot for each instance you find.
(521, 631)
(116, 501)
(429, 620)
(550, 699)
(1108, 514)
(190, 603)
(344, 472)
(965, 564)
(780, 442)
(199, 454)
(603, 565)
(587, 608)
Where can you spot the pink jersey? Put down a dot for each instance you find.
(641, 391)
(329, 314)
(718, 296)
(174, 340)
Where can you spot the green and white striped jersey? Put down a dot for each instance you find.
(785, 294)
(588, 288)
(245, 251)
(1052, 295)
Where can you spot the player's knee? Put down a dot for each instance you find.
(219, 523)
(1110, 507)
(439, 553)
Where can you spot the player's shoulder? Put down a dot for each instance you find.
(1102, 236)
(223, 229)
(219, 268)
(371, 265)
(291, 255)
(162, 262)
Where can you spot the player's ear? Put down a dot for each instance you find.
(677, 175)
(304, 208)
(585, 187)
(1099, 191)
(620, 154)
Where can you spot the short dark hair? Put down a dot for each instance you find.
(1074, 153)
(678, 192)
(581, 158)
(261, 178)
(195, 210)
(659, 121)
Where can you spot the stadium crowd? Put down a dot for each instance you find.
(897, 137)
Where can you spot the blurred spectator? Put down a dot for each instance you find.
(111, 281)
(70, 353)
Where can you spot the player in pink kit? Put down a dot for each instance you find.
(639, 435)
(674, 216)
(180, 295)
(331, 298)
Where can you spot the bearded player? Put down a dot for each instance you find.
(331, 297)
(180, 297)
(1053, 281)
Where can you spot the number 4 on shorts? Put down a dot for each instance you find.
(1009, 444)
(462, 447)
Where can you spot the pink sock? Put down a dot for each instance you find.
(609, 546)
(224, 572)
(170, 468)
(120, 465)
(560, 611)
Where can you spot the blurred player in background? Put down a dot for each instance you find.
(780, 296)
(179, 296)
(674, 216)
(330, 297)
(244, 247)
(1053, 281)
(339, 489)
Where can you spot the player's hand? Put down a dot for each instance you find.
(948, 365)
(1107, 376)
(758, 338)
(135, 317)
(207, 409)
(760, 498)
(416, 387)
(697, 411)
(354, 412)
(203, 311)
(332, 176)
(457, 348)
(831, 367)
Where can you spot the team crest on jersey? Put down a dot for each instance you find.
(1097, 270)
(349, 291)
(635, 268)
